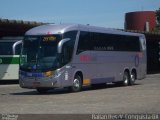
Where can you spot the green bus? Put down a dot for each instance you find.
(9, 57)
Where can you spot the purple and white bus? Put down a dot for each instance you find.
(73, 56)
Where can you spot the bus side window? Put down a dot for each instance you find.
(67, 51)
(83, 43)
(68, 47)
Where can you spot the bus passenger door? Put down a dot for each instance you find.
(67, 51)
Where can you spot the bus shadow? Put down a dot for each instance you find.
(50, 92)
(25, 93)
(66, 91)
(107, 86)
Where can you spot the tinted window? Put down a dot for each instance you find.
(68, 47)
(127, 43)
(71, 34)
(102, 42)
(84, 42)
(6, 48)
(107, 42)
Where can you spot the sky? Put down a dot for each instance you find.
(105, 13)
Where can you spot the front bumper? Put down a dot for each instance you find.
(37, 82)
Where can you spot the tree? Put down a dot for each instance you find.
(158, 16)
(157, 28)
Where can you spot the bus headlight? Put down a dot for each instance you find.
(48, 73)
(57, 73)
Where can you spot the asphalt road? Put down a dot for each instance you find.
(144, 97)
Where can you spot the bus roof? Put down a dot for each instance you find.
(61, 28)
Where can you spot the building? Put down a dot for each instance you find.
(145, 22)
(140, 20)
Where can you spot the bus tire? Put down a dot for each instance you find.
(132, 78)
(77, 84)
(42, 90)
(126, 78)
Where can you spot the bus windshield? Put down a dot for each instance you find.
(40, 53)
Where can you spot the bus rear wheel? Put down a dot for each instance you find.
(132, 78)
(126, 78)
(77, 84)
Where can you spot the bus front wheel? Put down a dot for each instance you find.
(77, 84)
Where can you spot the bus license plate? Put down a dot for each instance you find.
(36, 84)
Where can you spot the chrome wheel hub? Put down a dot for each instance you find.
(76, 83)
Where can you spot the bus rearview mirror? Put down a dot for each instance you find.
(60, 44)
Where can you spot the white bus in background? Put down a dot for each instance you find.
(78, 55)
(9, 57)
